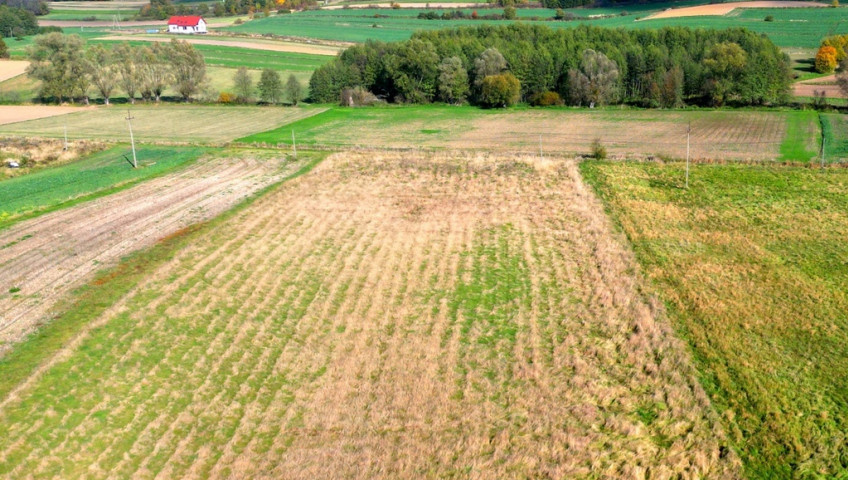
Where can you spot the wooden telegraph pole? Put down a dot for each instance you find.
(132, 139)
(688, 133)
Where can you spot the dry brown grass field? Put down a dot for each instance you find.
(12, 68)
(725, 8)
(417, 316)
(21, 113)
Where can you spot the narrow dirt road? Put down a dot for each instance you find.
(43, 258)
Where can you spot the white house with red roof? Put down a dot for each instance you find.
(186, 24)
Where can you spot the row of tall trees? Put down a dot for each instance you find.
(162, 9)
(68, 70)
(270, 87)
(584, 65)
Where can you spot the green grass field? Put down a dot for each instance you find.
(792, 27)
(86, 178)
(163, 123)
(753, 266)
(96, 14)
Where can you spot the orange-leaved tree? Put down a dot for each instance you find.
(826, 59)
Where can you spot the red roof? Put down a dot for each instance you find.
(188, 21)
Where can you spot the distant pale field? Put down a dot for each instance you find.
(94, 5)
(725, 135)
(12, 68)
(399, 316)
(162, 123)
(22, 113)
(725, 8)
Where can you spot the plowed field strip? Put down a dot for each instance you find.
(380, 318)
(47, 256)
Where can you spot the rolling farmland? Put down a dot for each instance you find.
(385, 317)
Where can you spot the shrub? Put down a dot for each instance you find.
(238, 21)
(357, 97)
(509, 13)
(834, 3)
(226, 97)
(769, 18)
(500, 90)
(545, 99)
(599, 151)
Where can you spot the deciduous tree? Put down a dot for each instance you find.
(188, 68)
(294, 90)
(453, 80)
(243, 85)
(595, 82)
(270, 86)
(500, 90)
(826, 59)
(128, 66)
(57, 60)
(104, 73)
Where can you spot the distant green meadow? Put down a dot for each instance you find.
(792, 27)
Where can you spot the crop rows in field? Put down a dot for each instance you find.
(385, 318)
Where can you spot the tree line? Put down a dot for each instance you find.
(17, 22)
(69, 71)
(585, 65)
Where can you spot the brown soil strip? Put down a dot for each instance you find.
(12, 68)
(725, 8)
(254, 45)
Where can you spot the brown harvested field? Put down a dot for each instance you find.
(409, 5)
(808, 88)
(49, 255)
(715, 135)
(445, 316)
(718, 9)
(269, 45)
(12, 68)
(22, 113)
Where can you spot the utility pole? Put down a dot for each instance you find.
(66, 136)
(688, 133)
(294, 145)
(132, 139)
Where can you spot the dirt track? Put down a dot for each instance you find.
(808, 88)
(290, 47)
(47, 256)
(15, 113)
(725, 8)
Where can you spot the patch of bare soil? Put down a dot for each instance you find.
(809, 88)
(12, 68)
(21, 113)
(43, 258)
(725, 8)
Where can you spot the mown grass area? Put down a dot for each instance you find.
(98, 174)
(803, 137)
(835, 133)
(163, 123)
(95, 14)
(753, 266)
(355, 126)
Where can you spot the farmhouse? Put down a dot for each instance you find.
(186, 24)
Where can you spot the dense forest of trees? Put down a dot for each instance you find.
(17, 22)
(68, 71)
(580, 66)
(36, 7)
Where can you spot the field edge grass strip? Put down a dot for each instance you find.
(110, 285)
